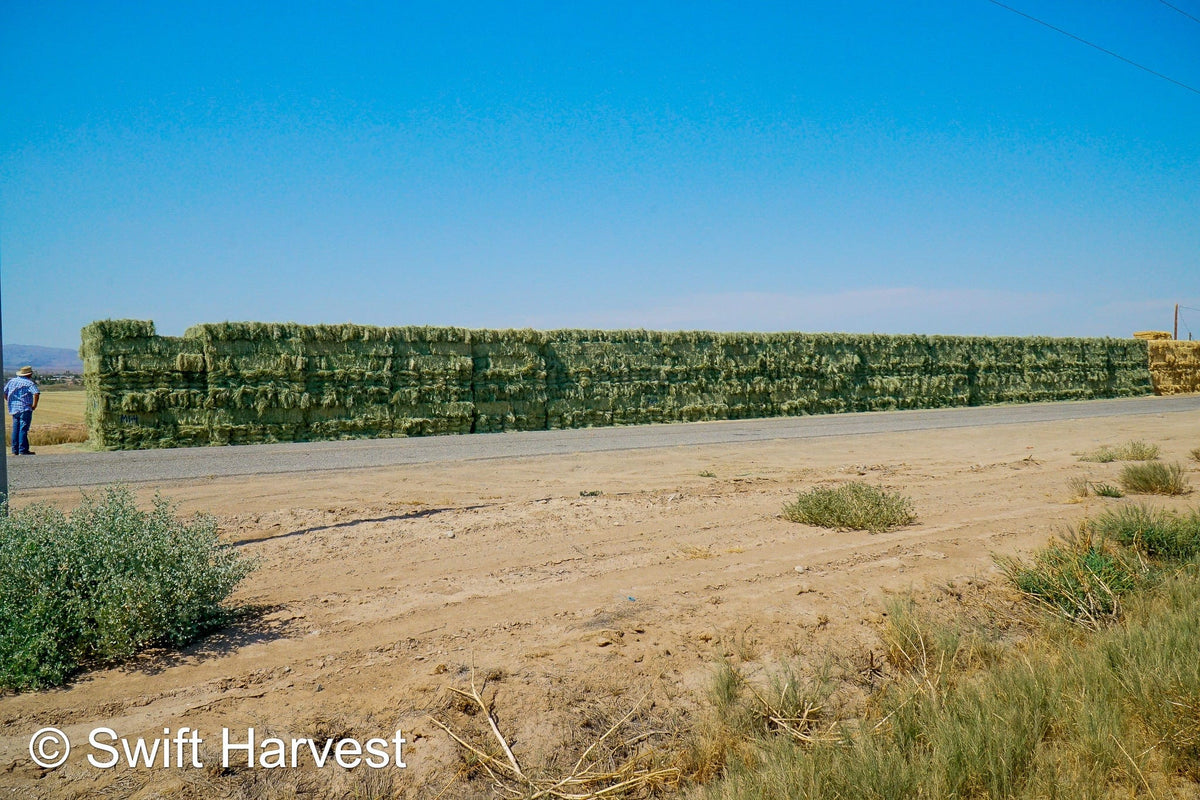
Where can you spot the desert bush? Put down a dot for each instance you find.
(786, 704)
(1081, 487)
(1112, 713)
(1079, 575)
(851, 506)
(1195, 453)
(103, 582)
(1154, 478)
(1154, 659)
(1130, 451)
(1102, 455)
(1157, 533)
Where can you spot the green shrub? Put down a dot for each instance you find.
(104, 582)
(1154, 478)
(852, 506)
(1101, 455)
(1130, 451)
(1079, 576)
(1156, 533)
(1082, 487)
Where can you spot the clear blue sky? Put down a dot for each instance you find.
(930, 167)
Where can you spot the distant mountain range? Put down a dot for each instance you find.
(44, 360)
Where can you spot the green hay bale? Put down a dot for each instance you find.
(280, 381)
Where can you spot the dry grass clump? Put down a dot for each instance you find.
(1130, 451)
(1195, 453)
(851, 506)
(616, 764)
(747, 715)
(1106, 710)
(1154, 478)
(695, 551)
(1080, 488)
(66, 433)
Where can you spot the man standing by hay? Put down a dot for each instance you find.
(22, 396)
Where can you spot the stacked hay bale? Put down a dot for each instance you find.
(900, 372)
(432, 369)
(597, 378)
(349, 382)
(243, 383)
(255, 382)
(270, 382)
(142, 390)
(1175, 366)
(1129, 373)
(629, 377)
(509, 380)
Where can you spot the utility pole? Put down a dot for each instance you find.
(3, 432)
(1176, 334)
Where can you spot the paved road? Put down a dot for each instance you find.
(89, 469)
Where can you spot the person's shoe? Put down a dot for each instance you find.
(29, 453)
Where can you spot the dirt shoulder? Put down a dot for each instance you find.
(382, 587)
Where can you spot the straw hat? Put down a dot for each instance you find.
(25, 372)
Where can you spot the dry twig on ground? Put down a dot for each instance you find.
(586, 780)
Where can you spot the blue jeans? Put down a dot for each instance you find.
(20, 434)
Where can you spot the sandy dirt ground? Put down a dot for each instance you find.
(574, 584)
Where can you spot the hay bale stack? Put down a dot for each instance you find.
(509, 380)
(255, 381)
(271, 382)
(431, 392)
(1153, 336)
(1175, 366)
(597, 378)
(234, 383)
(142, 390)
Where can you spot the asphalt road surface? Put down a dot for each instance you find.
(137, 466)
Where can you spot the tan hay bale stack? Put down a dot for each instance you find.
(1175, 366)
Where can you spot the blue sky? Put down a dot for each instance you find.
(929, 167)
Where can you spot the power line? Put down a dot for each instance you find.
(1180, 10)
(1098, 47)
